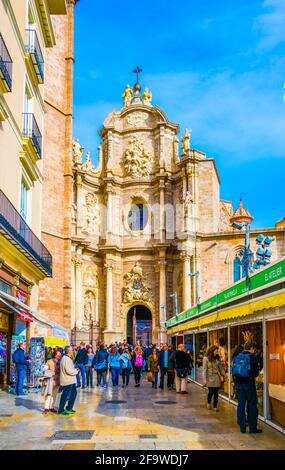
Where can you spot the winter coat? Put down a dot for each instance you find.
(114, 360)
(81, 357)
(125, 361)
(19, 358)
(67, 371)
(181, 360)
(152, 364)
(101, 355)
(212, 372)
(161, 358)
(50, 383)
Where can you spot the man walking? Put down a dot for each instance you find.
(67, 381)
(19, 359)
(163, 360)
(182, 365)
(244, 370)
(81, 360)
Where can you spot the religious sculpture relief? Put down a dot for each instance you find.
(90, 277)
(89, 307)
(147, 97)
(136, 161)
(77, 151)
(91, 219)
(127, 96)
(185, 141)
(137, 288)
(73, 213)
(188, 204)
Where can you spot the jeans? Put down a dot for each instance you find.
(213, 392)
(115, 372)
(102, 374)
(247, 400)
(126, 376)
(89, 375)
(21, 374)
(137, 372)
(155, 379)
(82, 373)
(163, 373)
(69, 393)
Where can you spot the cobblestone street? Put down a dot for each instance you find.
(143, 420)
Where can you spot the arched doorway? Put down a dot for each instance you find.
(139, 325)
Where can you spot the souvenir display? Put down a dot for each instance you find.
(14, 345)
(37, 356)
(3, 357)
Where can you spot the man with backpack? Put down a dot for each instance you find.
(244, 371)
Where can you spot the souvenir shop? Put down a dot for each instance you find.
(259, 317)
(18, 322)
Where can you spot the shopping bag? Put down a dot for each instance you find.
(149, 376)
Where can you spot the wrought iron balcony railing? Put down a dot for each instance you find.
(5, 64)
(34, 49)
(31, 130)
(14, 227)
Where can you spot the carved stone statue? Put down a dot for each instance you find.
(136, 161)
(88, 307)
(88, 165)
(188, 203)
(77, 151)
(73, 213)
(127, 96)
(91, 213)
(186, 141)
(147, 97)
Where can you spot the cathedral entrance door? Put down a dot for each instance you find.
(139, 325)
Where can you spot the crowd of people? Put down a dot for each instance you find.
(71, 368)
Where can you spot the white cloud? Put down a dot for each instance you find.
(271, 25)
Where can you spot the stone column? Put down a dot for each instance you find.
(162, 210)
(162, 299)
(186, 281)
(73, 296)
(109, 213)
(78, 292)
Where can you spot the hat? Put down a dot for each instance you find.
(249, 344)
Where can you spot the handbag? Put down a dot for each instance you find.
(149, 376)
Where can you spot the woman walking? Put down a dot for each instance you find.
(213, 375)
(101, 366)
(153, 367)
(138, 364)
(126, 366)
(51, 381)
(90, 366)
(115, 365)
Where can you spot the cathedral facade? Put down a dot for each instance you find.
(147, 224)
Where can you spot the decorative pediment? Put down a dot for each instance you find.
(137, 288)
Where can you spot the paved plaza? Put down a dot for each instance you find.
(144, 420)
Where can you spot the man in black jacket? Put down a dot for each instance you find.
(182, 367)
(80, 361)
(246, 392)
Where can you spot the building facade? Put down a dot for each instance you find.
(146, 218)
(27, 35)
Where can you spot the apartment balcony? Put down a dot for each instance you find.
(5, 68)
(14, 228)
(32, 133)
(35, 60)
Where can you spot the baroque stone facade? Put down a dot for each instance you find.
(143, 220)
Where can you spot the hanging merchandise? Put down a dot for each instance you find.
(14, 345)
(37, 356)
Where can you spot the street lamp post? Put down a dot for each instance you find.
(197, 279)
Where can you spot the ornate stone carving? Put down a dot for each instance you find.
(77, 151)
(188, 203)
(147, 97)
(137, 119)
(137, 288)
(76, 261)
(90, 277)
(88, 165)
(89, 307)
(127, 96)
(136, 161)
(185, 141)
(91, 213)
(73, 213)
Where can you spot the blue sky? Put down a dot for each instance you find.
(214, 66)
